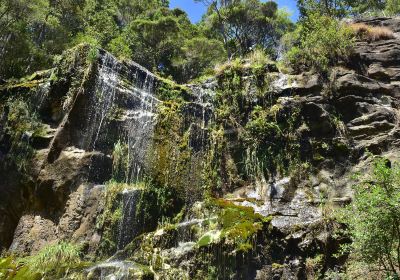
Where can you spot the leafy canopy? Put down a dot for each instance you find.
(244, 25)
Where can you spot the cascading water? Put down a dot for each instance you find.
(113, 270)
(128, 227)
(41, 94)
(202, 111)
(130, 89)
(103, 98)
(140, 124)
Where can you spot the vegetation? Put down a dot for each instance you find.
(245, 25)
(342, 8)
(253, 137)
(54, 261)
(164, 40)
(239, 224)
(121, 161)
(21, 125)
(373, 220)
(319, 41)
(148, 32)
(251, 134)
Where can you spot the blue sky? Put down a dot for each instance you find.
(196, 10)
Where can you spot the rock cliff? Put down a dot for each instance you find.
(230, 178)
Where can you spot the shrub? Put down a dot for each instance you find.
(373, 220)
(372, 33)
(318, 42)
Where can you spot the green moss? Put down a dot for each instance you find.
(172, 163)
(239, 224)
(204, 241)
(169, 90)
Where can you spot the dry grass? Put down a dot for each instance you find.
(372, 33)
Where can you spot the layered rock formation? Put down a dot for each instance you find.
(232, 178)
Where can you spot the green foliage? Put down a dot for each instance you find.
(33, 31)
(55, 260)
(246, 24)
(318, 42)
(52, 262)
(366, 6)
(204, 241)
(341, 8)
(252, 138)
(392, 7)
(21, 125)
(199, 54)
(157, 205)
(332, 8)
(373, 218)
(93, 54)
(169, 91)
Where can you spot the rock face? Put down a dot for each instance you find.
(114, 150)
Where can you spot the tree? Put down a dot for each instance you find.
(333, 8)
(214, 6)
(341, 8)
(19, 21)
(362, 6)
(373, 219)
(246, 24)
(33, 31)
(198, 54)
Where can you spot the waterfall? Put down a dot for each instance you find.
(203, 115)
(129, 225)
(140, 124)
(102, 98)
(127, 89)
(41, 94)
(122, 108)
